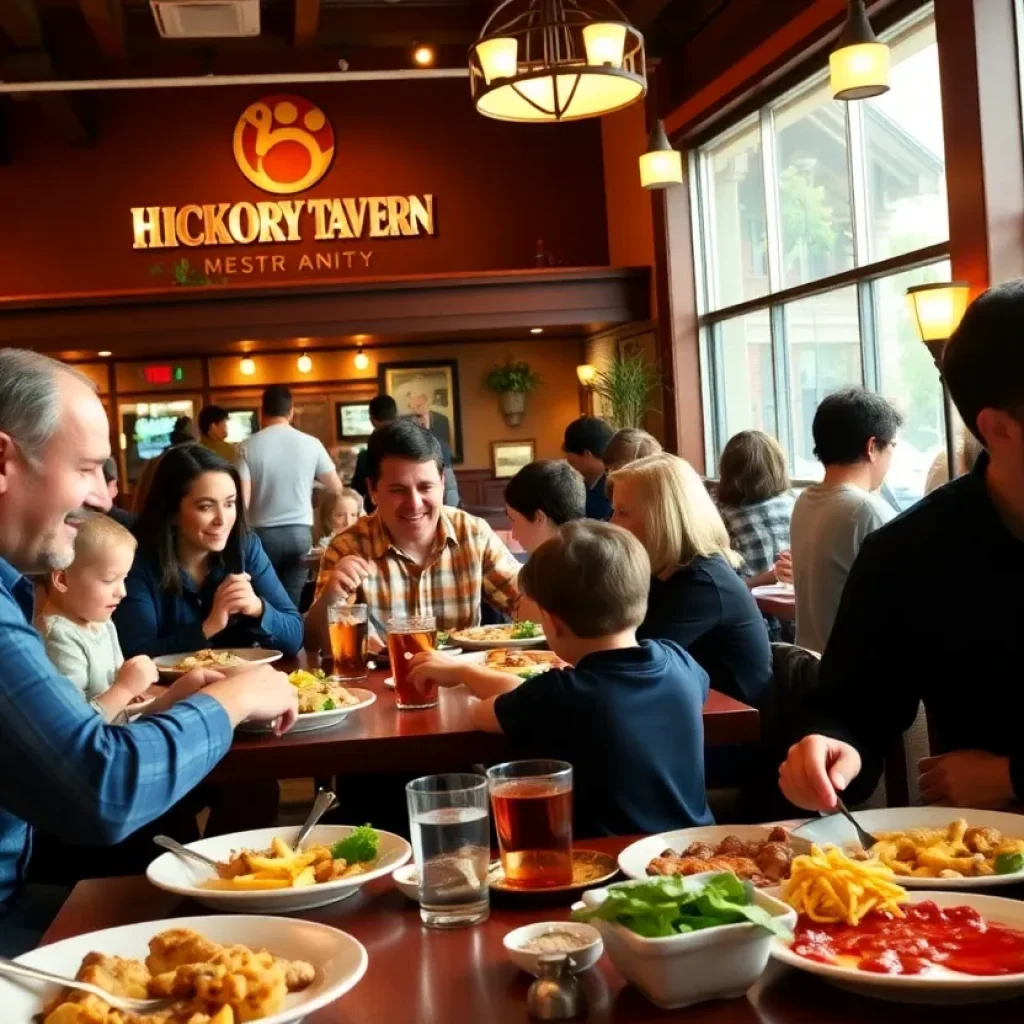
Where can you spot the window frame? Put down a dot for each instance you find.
(863, 275)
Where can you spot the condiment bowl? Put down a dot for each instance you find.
(591, 946)
(407, 881)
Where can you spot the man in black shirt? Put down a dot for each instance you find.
(933, 609)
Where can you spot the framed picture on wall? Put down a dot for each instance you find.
(353, 419)
(428, 391)
(508, 457)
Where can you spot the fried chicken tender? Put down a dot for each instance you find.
(177, 947)
(761, 861)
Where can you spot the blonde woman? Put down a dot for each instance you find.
(697, 598)
(628, 445)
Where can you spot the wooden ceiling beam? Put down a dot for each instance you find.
(106, 22)
(307, 20)
(68, 113)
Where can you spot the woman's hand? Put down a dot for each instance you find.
(234, 596)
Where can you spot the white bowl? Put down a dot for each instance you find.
(407, 880)
(177, 875)
(680, 970)
(340, 960)
(582, 959)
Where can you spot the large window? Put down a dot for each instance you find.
(813, 218)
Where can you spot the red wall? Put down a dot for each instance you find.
(66, 223)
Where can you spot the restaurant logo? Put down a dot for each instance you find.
(283, 144)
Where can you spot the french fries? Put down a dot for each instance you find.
(280, 867)
(829, 887)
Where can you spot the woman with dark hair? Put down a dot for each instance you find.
(200, 578)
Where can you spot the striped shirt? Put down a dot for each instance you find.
(64, 769)
(468, 563)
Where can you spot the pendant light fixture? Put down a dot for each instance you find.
(247, 366)
(859, 65)
(361, 359)
(556, 60)
(305, 363)
(661, 166)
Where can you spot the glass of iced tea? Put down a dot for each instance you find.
(532, 802)
(347, 625)
(406, 638)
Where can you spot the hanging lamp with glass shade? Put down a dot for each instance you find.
(661, 166)
(859, 65)
(556, 60)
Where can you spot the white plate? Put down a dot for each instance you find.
(340, 960)
(251, 655)
(782, 590)
(941, 987)
(634, 859)
(181, 876)
(470, 658)
(837, 830)
(318, 719)
(460, 637)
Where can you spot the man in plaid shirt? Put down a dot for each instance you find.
(413, 556)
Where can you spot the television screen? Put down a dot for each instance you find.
(241, 424)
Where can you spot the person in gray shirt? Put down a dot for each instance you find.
(854, 434)
(278, 466)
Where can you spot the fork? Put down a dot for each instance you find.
(10, 969)
(866, 839)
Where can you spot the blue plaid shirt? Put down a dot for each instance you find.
(64, 769)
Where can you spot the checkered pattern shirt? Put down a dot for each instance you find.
(468, 561)
(759, 532)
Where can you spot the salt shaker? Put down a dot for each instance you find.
(556, 994)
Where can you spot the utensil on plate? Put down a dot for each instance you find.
(325, 801)
(183, 851)
(10, 969)
(865, 838)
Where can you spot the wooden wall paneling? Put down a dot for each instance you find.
(981, 115)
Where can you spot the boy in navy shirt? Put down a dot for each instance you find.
(626, 715)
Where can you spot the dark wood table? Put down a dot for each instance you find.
(420, 976)
(383, 739)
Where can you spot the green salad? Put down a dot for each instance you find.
(674, 906)
(525, 630)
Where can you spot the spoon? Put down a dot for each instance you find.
(12, 970)
(325, 800)
(866, 839)
(183, 851)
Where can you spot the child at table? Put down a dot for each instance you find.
(334, 513)
(75, 625)
(627, 715)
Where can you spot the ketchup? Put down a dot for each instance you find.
(957, 938)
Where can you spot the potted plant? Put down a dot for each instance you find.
(626, 386)
(513, 380)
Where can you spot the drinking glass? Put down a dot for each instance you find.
(451, 844)
(532, 803)
(406, 638)
(347, 625)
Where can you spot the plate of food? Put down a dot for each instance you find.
(510, 634)
(323, 702)
(261, 872)
(514, 660)
(235, 657)
(223, 970)
(760, 854)
(934, 847)
(861, 930)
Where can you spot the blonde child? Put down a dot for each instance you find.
(335, 512)
(75, 624)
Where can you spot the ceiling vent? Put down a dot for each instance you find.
(206, 19)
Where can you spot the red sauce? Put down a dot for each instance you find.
(957, 938)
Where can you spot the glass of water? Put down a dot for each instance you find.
(448, 818)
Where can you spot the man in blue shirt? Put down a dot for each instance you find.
(62, 767)
(585, 441)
